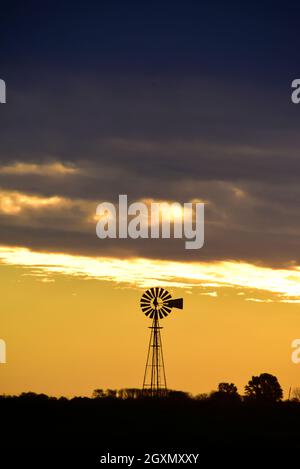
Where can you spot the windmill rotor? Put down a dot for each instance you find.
(157, 302)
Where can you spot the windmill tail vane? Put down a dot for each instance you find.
(156, 303)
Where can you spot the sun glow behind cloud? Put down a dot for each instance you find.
(12, 202)
(47, 169)
(139, 272)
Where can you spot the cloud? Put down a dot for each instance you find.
(280, 284)
(46, 169)
(213, 294)
(252, 228)
(184, 138)
(259, 300)
(12, 203)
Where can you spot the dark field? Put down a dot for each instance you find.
(84, 428)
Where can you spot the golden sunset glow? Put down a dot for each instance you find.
(75, 323)
(283, 283)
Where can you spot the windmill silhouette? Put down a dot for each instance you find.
(156, 303)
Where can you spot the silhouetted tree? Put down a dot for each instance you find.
(264, 387)
(226, 391)
(32, 396)
(201, 397)
(178, 394)
(98, 394)
(228, 388)
(101, 393)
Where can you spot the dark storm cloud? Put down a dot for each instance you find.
(163, 102)
(172, 143)
(187, 128)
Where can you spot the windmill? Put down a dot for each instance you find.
(156, 303)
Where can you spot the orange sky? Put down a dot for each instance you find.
(69, 333)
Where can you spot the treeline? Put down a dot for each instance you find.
(127, 420)
(262, 388)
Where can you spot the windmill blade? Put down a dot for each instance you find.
(176, 303)
(147, 295)
(146, 299)
(166, 311)
(147, 312)
(145, 303)
(152, 292)
(145, 307)
(165, 295)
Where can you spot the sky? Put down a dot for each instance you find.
(162, 101)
